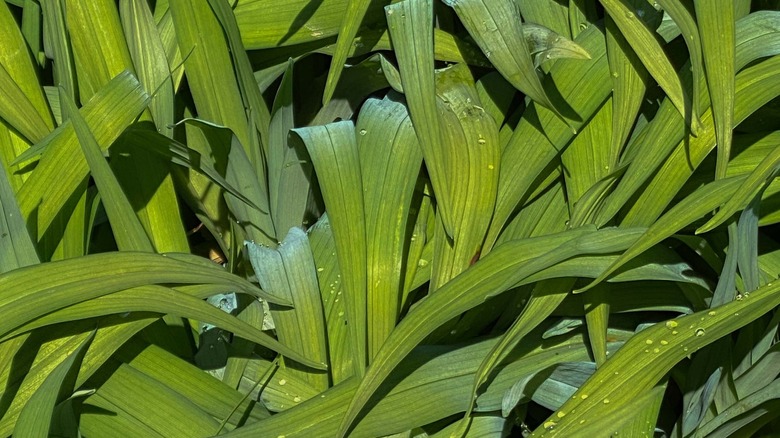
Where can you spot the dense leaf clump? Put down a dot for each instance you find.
(414, 218)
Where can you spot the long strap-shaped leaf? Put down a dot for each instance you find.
(648, 356)
(334, 152)
(151, 65)
(61, 167)
(506, 265)
(290, 272)
(22, 103)
(436, 384)
(546, 297)
(35, 418)
(540, 136)
(693, 207)
(208, 66)
(356, 10)
(411, 30)
(128, 231)
(16, 247)
(717, 30)
(390, 160)
(650, 51)
(497, 27)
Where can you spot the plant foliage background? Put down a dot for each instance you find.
(425, 218)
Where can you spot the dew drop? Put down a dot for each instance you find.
(711, 313)
(649, 342)
(615, 74)
(699, 332)
(605, 401)
(363, 132)
(582, 421)
(491, 167)
(629, 15)
(584, 396)
(320, 269)
(297, 399)
(674, 332)
(663, 342)
(656, 350)
(671, 324)
(560, 414)
(282, 382)
(422, 263)
(550, 425)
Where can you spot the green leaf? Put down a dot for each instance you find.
(499, 270)
(180, 302)
(35, 418)
(693, 207)
(288, 169)
(334, 153)
(473, 152)
(545, 298)
(718, 41)
(649, 49)
(296, 21)
(239, 173)
(57, 343)
(497, 27)
(667, 343)
(629, 79)
(355, 12)
(390, 161)
(208, 67)
(170, 415)
(98, 55)
(755, 86)
(128, 231)
(17, 249)
(540, 136)
(148, 55)
(411, 29)
(761, 176)
(179, 154)
(435, 384)
(289, 272)
(323, 248)
(56, 46)
(74, 280)
(22, 103)
(107, 114)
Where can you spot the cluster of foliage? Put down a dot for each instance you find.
(456, 218)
